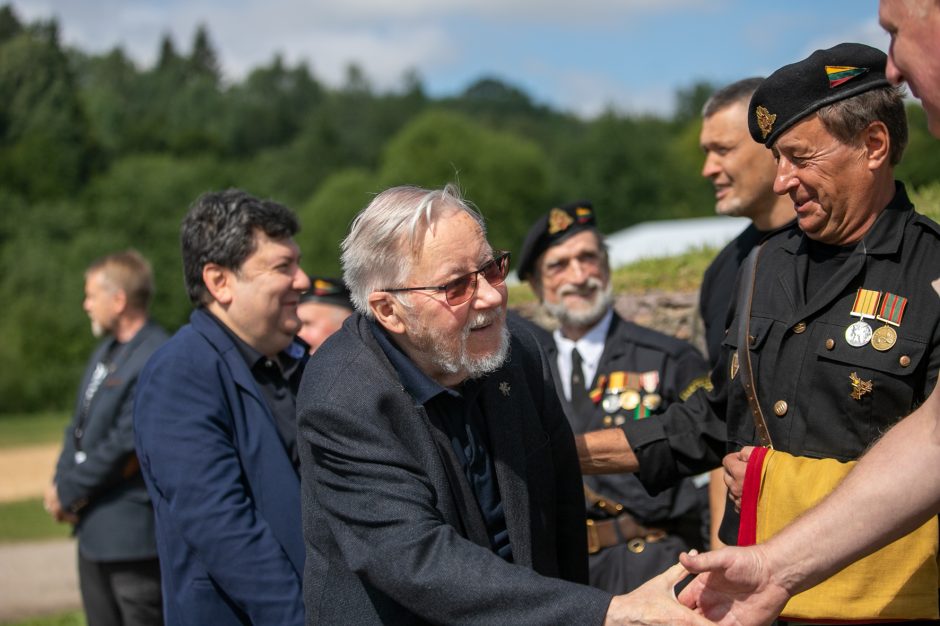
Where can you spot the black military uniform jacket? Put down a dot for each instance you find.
(677, 369)
(805, 369)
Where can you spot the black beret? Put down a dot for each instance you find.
(327, 291)
(826, 76)
(553, 228)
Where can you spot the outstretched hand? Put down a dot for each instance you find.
(654, 603)
(734, 587)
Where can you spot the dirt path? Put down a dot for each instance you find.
(25, 471)
(38, 578)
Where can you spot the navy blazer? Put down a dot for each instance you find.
(394, 534)
(226, 496)
(115, 519)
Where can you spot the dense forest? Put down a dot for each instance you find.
(98, 154)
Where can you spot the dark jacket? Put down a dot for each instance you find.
(393, 533)
(106, 489)
(226, 496)
(802, 362)
(681, 510)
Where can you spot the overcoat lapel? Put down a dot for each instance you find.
(504, 417)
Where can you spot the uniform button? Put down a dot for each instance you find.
(830, 344)
(905, 361)
(799, 328)
(780, 407)
(751, 340)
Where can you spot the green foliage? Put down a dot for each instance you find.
(45, 145)
(504, 175)
(325, 218)
(72, 618)
(26, 429)
(25, 520)
(98, 154)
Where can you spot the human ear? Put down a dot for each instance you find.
(218, 281)
(387, 311)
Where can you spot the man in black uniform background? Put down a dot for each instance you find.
(742, 172)
(609, 371)
(843, 330)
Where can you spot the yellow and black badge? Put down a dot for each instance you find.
(558, 221)
(892, 310)
(859, 387)
(765, 120)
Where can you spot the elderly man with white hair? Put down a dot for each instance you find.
(440, 477)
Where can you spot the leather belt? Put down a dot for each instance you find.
(621, 529)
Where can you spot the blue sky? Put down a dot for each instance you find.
(582, 56)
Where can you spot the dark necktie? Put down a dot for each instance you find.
(580, 400)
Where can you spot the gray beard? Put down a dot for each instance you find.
(603, 299)
(455, 360)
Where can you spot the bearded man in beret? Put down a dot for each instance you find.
(607, 371)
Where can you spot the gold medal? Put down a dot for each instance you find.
(652, 401)
(884, 338)
(630, 399)
(891, 313)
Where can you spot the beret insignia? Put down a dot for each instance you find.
(558, 221)
(839, 74)
(765, 120)
(583, 213)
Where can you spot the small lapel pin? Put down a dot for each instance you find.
(504, 388)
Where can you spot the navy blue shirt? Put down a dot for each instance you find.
(459, 414)
(278, 379)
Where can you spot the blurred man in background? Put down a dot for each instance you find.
(742, 172)
(608, 371)
(97, 485)
(322, 310)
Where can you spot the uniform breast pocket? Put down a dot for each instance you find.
(866, 390)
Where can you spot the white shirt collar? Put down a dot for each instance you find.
(590, 347)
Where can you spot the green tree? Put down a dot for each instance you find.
(505, 176)
(46, 148)
(325, 218)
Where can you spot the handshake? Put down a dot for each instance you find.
(733, 586)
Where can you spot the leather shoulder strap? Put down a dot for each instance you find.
(745, 296)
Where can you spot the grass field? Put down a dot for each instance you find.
(25, 520)
(74, 618)
(31, 428)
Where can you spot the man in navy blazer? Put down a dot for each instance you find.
(440, 476)
(97, 484)
(215, 425)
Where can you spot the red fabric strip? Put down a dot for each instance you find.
(747, 531)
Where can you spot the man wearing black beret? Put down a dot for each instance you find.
(322, 310)
(609, 371)
(840, 333)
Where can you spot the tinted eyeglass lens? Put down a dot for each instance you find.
(495, 271)
(460, 289)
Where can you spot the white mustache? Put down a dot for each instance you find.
(484, 318)
(590, 285)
